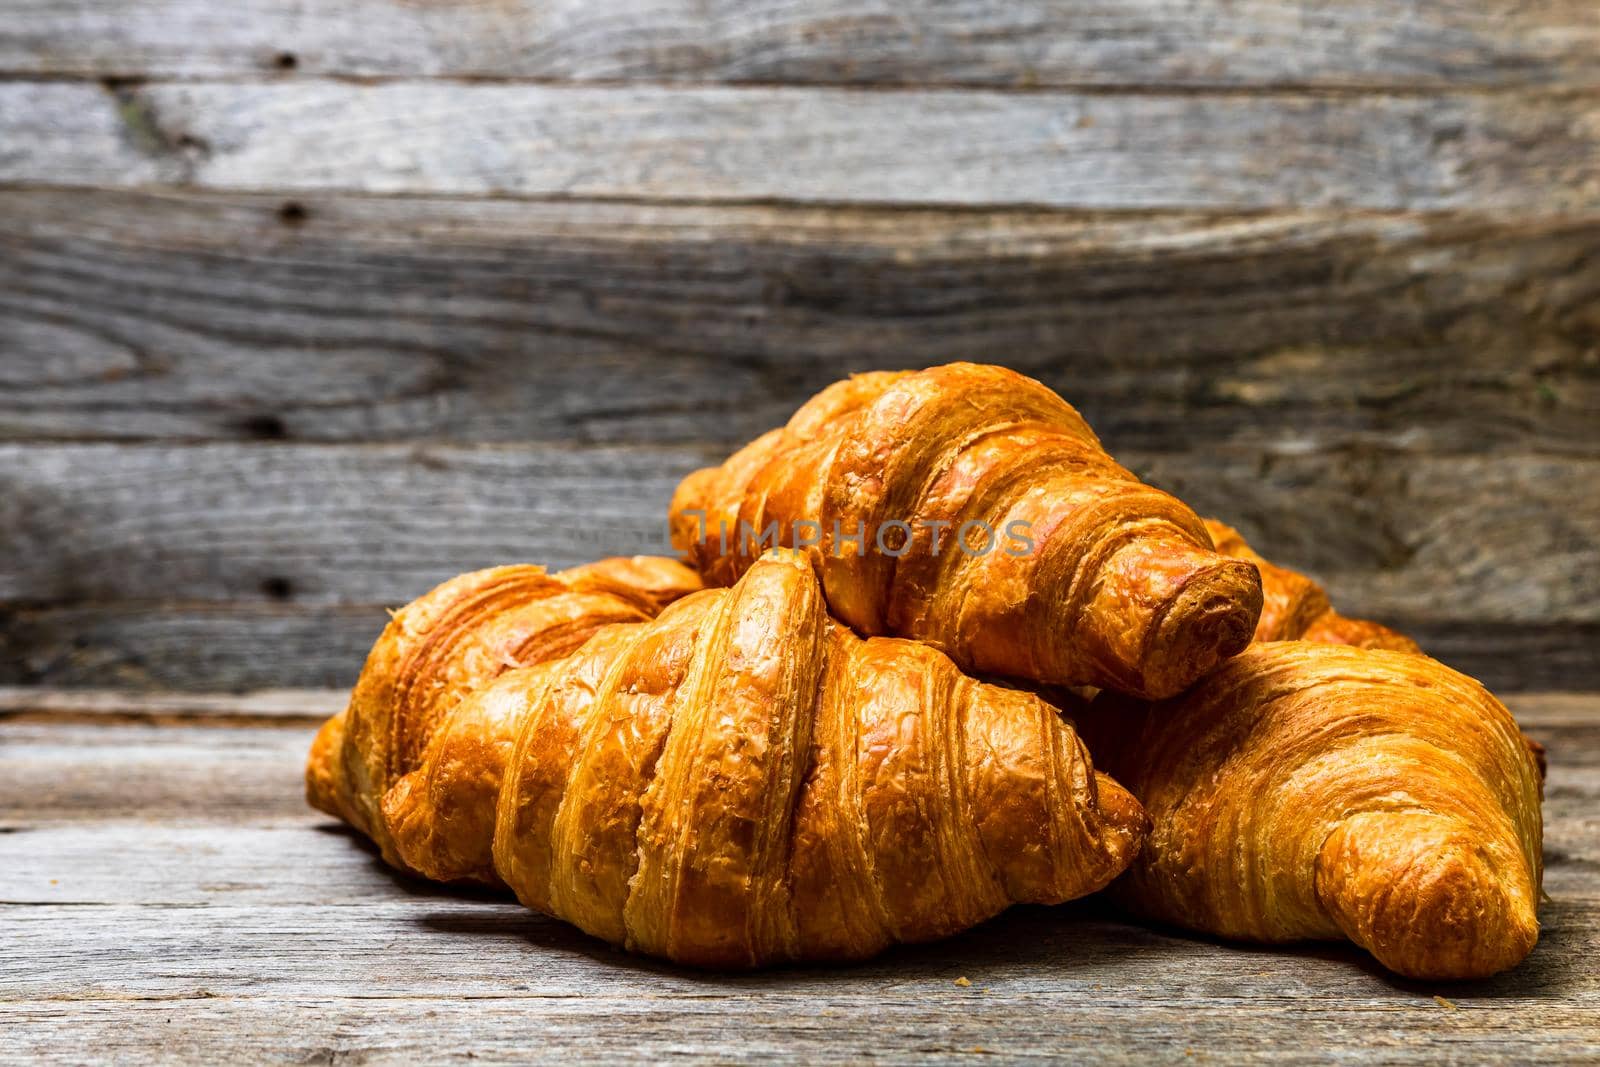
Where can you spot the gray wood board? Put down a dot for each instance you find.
(195, 316)
(1476, 538)
(160, 645)
(1520, 153)
(1024, 43)
(223, 565)
(237, 924)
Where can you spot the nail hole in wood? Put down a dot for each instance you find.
(286, 61)
(293, 213)
(264, 427)
(277, 588)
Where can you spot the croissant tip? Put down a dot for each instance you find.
(1427, 900)
(1477, 923)
(1125, 819)
(1213, 618)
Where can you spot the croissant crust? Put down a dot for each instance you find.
(1308, 791)
(1071, 571)
(743, 781)
(452, 641)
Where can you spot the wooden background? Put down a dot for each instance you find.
(306, 305)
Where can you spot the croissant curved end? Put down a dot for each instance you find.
(1425, 896)
(1211, 619)
(1126, 824)
(323, 779)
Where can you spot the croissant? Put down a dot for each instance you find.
(1309, 791)
(970, 507)
(1295, 607)
(452, 641)
(744, 781)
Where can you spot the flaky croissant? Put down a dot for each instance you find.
(452, 641)
(1294, 606)
(744, 781)
(970, 507)
(1308, 791)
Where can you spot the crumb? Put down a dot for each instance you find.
(1448, 1005)
(963, 981)
(55, 881)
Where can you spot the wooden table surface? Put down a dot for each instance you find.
(307, 305)
(167, 893)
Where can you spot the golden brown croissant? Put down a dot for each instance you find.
(1291, 598)
(1294, 607)
(972, 508)
(1307, 791)
(450, 642)
(744, 781)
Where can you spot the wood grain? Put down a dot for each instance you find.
(1449, 537)
(215, 316)
(116, 705)
(122, 552)
(181, 903)
(1024, 43)
(922, 1021)
(1516, 153)
(160, 645)
(70, 772)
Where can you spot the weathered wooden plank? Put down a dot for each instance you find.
(1513, 152)
(1510, 657)
(928, 1022)
(275, 857)
(316, 524)
(223, 929)
(440, 946)
(294, 861)
(147, 771)
(1473, 538)
(205, 316)
(239, 942)
(268, 705)
(1400, 537)
(291, 707)
(191, 646)
(1028, 43)
(160, 645)
(249, 565)
(56, 770)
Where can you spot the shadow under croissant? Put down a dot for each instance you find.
(1065, 939)
(1547, 973)
(1071, 941)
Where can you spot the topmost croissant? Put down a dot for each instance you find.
(970, 507)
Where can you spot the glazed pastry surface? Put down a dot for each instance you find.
(1113, 583)
(1314, 791)
(450, 642)
(743, 781)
